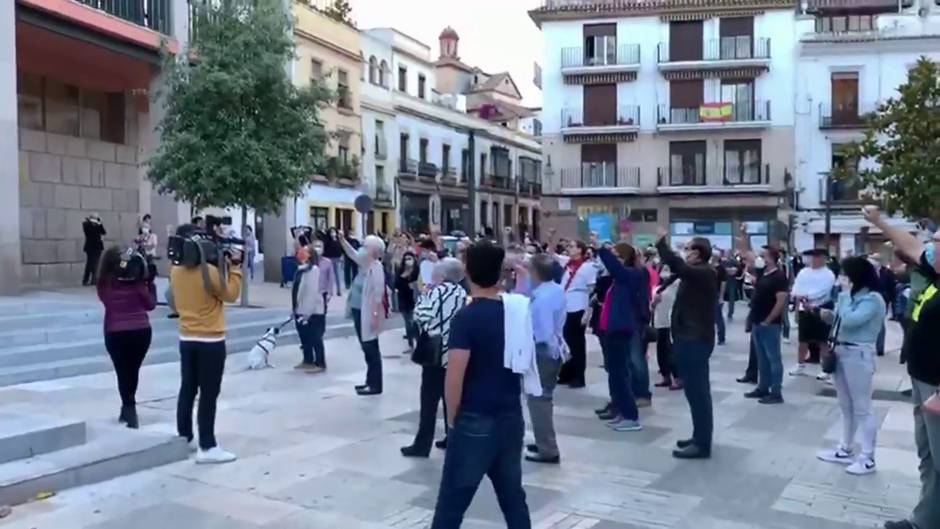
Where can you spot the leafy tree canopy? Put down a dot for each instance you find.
(237, 132)
(904, 141)
(340, 10)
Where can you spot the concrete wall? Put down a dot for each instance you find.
(66, 179)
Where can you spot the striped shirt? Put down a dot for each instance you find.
(436, 310)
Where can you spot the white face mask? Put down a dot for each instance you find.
(759, 263)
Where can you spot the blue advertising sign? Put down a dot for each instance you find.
(600, 223)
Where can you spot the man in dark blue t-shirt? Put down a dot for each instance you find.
(483, 400)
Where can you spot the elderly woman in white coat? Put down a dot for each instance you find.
(368, 307)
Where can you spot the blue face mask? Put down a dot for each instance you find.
(930, 253)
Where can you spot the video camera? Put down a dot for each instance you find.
(198, 247)
(134, 267)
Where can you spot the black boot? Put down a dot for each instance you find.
(129, 415)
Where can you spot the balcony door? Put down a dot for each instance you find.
(685, 99)
(598, 165)
(740, 93)
(687, 163)
(600, 105)
(742, 162)
(737, 37)
(685, 40)
(844, 97)
(600, 44)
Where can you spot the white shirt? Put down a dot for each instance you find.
(426, 271)
(578, 294)
(815, 284)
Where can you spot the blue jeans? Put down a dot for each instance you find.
(311, 339)
(639, 369)
(337, 270)
(483, 445)
(720, 322)
(619, 347)
(766, 340)
(692, 360)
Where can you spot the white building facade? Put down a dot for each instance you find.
(852, 57)
(668, 113)
(443, 169)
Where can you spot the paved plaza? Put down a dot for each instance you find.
(315, 455)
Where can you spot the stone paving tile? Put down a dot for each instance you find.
(172, 515)
(343, 491)
(313, 455)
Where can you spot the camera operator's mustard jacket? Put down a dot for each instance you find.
(201, 314)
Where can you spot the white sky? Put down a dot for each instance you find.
(496, 35)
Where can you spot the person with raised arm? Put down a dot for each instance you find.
(923, 365)
(693, 331)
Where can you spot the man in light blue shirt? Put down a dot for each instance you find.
(548, 320)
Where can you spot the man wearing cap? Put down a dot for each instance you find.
(812, 291)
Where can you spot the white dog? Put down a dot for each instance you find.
(260, 355)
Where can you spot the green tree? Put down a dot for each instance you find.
(903, 140)
(237, 132)
(340, 10)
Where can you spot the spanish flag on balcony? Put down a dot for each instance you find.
(710, 112)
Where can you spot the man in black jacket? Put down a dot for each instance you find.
(693, 331)
(94, 245)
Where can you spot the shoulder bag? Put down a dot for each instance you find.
(430, 348)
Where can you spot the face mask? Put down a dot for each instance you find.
(361, 252)
(409, 262)
(930, 253)
(759, 263)
(145, 230)
(665, 275)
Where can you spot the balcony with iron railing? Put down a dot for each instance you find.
(714, 116)
(741, 51)
(427, 170)
(408, 168)
(740, 178)
(498, 181)
(846, 115)
(600, 178)
(449, 175)
(612, 59)
(530, 188)
(382, 193)
(626, 121)
(151, 14)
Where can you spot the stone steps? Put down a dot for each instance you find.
(108, 451)
(100, 362)
(23, 436)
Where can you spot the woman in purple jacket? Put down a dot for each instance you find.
(127, 330)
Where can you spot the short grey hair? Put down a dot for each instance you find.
(543, 265)
(449, 269)
(374, 243)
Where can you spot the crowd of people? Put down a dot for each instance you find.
(489, 322)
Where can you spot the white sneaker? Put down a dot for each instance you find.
(798, 371)
(862, 466)
(786, 339)
(823, 376)
(214, 456)
(840, 455)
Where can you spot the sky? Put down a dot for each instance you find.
(496, 35)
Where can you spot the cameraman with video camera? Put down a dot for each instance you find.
(126, 289)
(206, 274)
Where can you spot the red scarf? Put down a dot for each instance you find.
(572, 269)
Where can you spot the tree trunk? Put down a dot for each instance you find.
(246, 274)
